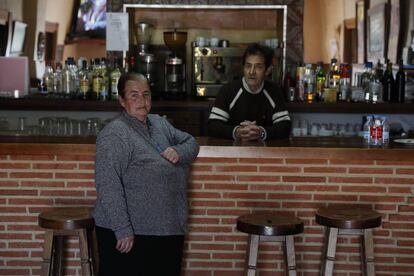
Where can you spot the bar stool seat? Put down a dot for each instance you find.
(270, 227)
(348, 221)
(70, 221)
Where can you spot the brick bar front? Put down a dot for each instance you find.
(226, 181)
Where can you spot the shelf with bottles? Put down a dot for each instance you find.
(375, 88)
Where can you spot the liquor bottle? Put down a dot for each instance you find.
(333, 74)
(365, 81)
(66, 80)
(74, 80)
(103, 91)
(290, 85)
(344, 90)
(48, 79)
(320, 81)
(309, 84)
(91, 65)
(300, 86)
(400, 83)
(375, 87)
(57, 80)
(388, 84)
(96, 80)
(115, 75)
(83, 81)
(379, 70)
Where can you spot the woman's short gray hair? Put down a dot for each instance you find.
(130, 76)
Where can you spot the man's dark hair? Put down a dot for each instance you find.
(260, 50)
(130, 76)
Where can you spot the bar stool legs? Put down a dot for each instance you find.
(253, 249)
(349, 220)
(367, 254)
(52, 263)
(68, 221)
(53, 249)
(265, 227)
(47, 253)
(290, 255)
(330, 251)
(84, 252)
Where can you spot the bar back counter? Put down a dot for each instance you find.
(295, 176)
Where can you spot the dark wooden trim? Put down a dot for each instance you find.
(40, 103)
(51, 27)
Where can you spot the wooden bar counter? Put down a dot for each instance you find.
(295, 176)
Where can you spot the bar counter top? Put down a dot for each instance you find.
(298, 147)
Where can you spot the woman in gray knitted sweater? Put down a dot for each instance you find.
(142, 168)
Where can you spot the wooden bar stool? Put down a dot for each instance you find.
(61, 222)
(270, 227)
(348, 221)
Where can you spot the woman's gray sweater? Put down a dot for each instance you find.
(138, 191)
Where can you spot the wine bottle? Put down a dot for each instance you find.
(400, 83)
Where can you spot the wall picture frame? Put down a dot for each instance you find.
(394, 42)
(377, 35)
(6, 25)
(360, 18)
(18, 38)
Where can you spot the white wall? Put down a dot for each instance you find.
(13, 6)
(60, 11)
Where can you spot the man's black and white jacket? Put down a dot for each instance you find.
(236, 103)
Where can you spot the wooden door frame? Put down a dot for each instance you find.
(53, 28)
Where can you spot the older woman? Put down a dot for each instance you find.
(142, 168)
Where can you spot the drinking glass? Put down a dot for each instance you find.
(22, 123)
(304, 125)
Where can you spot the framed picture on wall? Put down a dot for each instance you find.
(18, 38)
(394, 42)
(361, 14)
(377, 37)
(5, 32)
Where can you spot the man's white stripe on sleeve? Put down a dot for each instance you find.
(217, 117)
(220, 112)
(284, 118)
(279, 115)
(233, 102)
(272, 103)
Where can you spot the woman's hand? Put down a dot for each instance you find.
(171, 155)
(125, 245)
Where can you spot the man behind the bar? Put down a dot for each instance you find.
(251, 108)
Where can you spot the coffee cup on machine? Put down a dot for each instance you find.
(200, 41)
(214, 42)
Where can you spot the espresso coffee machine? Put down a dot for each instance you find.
(214, 66)
(174, 74)
(146, 61)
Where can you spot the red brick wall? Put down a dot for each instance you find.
(220, 190)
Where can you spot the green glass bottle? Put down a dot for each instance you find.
(320, 81)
